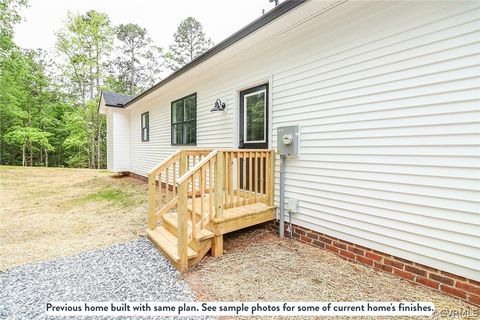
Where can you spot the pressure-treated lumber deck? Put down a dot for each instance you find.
(167, 242)
(197, 196)
(165, 236)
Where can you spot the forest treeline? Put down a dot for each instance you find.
(49, 100)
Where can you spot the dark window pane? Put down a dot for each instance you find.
(145, 134)
(184, 114)
(177, 110)
(255, 113)
(177, 134)
(190, 132)
(145, 126)
(190, 108)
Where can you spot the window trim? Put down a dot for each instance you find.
(143, 126)
(194, 120)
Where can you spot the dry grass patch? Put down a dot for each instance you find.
(52, 212)
(258, 266)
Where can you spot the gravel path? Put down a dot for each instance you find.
(134, 271)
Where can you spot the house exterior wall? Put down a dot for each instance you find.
(109, 114)
(118, 139)
(386, 97)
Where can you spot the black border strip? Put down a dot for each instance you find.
(268, 17)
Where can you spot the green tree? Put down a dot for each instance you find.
(189, 42)
(8, 18)
(134, 39)
(138, 63)
(25, 107)
(28, 137)
(86, 42)
(76, 144)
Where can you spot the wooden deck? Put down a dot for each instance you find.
(209, 193)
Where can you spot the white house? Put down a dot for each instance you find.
(386, 95)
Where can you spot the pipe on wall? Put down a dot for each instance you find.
(283, 159)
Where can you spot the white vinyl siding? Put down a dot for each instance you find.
(118, 139)
(386, 95)
(109, 113)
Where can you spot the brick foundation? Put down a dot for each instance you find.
(457, 286)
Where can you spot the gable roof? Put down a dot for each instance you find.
(116, 99)
(268, 17)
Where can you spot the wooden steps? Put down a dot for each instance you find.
(216, 190)
(238, 197)
(243, 217)
(243, 211)
(165, 236)
(167, 243)
(170, 221)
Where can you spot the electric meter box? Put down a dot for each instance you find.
(287, 141)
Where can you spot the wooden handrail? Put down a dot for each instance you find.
(183, 183)
(197, 167)
(153, 215)
(165, 163)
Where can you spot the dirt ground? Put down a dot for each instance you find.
(259, 266)
(51, 212)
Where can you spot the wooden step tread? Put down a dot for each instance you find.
(168, 243)
(204, 234)
(245, 198)
(247, 210)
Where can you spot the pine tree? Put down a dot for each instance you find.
(189, 42)
(138, 63)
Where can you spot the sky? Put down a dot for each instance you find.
(220, 18)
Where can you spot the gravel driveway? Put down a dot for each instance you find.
(134, 271)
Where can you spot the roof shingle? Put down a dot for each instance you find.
(116, 99)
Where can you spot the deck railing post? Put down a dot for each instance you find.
(271, 178)
(151, 202)
(219, 176)
(183, 163)
(182, 232)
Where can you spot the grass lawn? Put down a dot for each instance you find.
(51, 212)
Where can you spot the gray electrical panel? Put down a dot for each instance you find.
(287, 141)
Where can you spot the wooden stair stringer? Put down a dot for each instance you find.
(204, 247)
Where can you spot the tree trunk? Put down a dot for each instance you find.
(132, 73)
(31, 153)
(92, 141)
(1, 148)
(46, 157)
(89, 157)
(23, 156)
(99, 142)
(91, 76)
